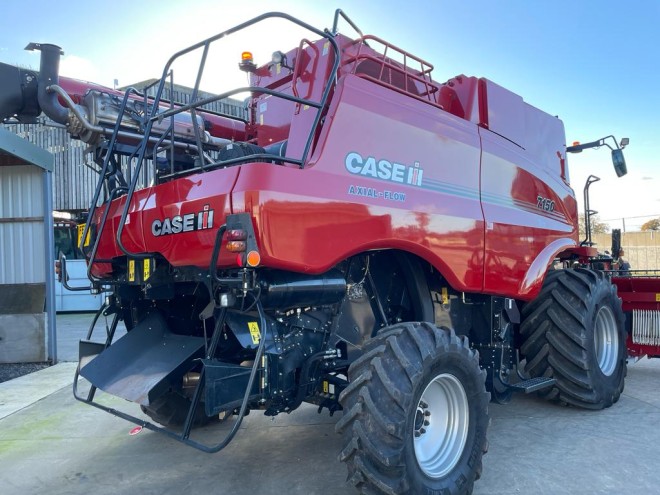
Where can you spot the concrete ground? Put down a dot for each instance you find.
(51, 444)
(72, 327)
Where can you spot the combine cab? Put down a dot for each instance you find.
(368, 240)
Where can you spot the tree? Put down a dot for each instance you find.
(652, 224)
(597, 227)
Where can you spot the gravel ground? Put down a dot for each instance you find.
(14, 370)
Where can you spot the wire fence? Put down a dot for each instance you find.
(630, 224)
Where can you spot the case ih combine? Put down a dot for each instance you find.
(367, 240)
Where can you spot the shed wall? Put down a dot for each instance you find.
(22, 243)
(74, 182)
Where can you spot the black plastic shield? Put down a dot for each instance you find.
(225, 385)
(144, 363)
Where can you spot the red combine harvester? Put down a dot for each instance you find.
(366, 240)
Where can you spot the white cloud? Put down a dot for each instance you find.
(79, 68)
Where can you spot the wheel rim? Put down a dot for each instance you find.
(606, 337)
(440, 428)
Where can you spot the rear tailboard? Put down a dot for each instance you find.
(143, 364)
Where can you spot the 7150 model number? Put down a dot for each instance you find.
(545, 204)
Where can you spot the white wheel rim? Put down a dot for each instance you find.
(440, 427)
(606, 340)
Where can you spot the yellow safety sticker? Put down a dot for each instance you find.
(81, 229)
(326, 387)
(254, 332)
(445, 295)
(146, 269)
(657, 298)
(131, 270)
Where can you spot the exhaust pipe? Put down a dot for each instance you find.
(49, 70)
(290, 290)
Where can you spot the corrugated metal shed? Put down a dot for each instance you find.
(21, 225)
(183, 94)
(74, 182)
(27, 281)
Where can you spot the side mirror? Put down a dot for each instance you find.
(619, 163)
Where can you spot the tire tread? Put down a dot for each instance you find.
(557, 339)
(381, 391)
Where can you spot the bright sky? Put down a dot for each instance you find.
(595, 64)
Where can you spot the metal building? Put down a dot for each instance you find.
(74, 178)
(27, 310)
(183, 94)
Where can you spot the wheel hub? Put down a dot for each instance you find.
(606, 340)
(440, 426)
(421, 418)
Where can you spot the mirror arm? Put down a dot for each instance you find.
(594, 144)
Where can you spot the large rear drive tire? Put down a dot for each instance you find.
(415, 413)
(574, 332)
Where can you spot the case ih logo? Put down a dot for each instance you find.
(384, 169)
(183, 223)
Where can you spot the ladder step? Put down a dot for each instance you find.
(532, 385)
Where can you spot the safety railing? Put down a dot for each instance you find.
(204, 161)
(398, 76)
(109, 168)
(184, 435)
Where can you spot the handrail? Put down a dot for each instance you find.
(184, 436)
(104, 171)
(155, 115)
(245, 89)
(321, 104)
(350, 22)
(65, 281)
(193, 113)
(423, 63)
(296, 70)
(421, 76)
(588, 212)
(97, 240)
